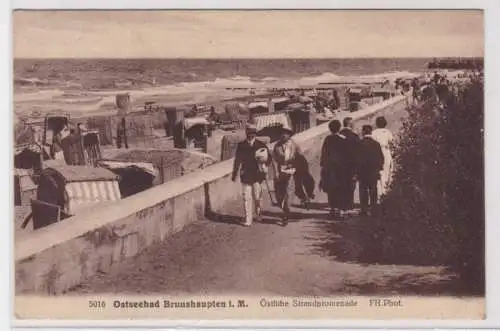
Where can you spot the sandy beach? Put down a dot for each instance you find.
(37, 93)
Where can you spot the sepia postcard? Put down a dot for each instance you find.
(248, 165)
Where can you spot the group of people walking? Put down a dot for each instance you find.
(345, 160)
(252, 161)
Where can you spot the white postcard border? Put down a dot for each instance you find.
(492, 116)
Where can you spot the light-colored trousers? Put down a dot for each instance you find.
(59, 155)
(252, 195)
(386, 173)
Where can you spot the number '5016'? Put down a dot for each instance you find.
(97, 304)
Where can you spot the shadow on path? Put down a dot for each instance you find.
(314, 205)
(295, 216)
(223, 218)
(238, 220)
(353, 240)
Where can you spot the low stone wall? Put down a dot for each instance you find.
(54, 259)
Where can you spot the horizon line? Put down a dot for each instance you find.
(250, 58)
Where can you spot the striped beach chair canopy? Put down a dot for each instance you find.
(81, 187)
(271, 120)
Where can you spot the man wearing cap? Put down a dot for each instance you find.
(249, 158)
(123, 104)
(285, 153)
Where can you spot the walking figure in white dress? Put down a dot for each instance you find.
(384, 137)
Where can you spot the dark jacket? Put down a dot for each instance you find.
(245, 159)
(333, 152)
(333, 162)
(370, 160)
(352, 149)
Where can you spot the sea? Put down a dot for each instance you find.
(84, 86)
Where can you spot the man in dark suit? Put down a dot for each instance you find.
(370, 163)
(251, 156)
(352, 150)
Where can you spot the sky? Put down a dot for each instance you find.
(247, 34)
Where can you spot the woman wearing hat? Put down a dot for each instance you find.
(250, 160)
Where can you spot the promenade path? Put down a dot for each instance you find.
(311, 256)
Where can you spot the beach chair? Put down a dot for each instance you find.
(269, 125)
(299, 117)
(72, 189)
(123, 103)
(91, 147)
(175, 117)
(44, 214)
(148, 106)
(196, 131)
(257, 108)
(24, 186)
(53, 124)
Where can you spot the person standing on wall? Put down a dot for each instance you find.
(121, 133)
(251, 173)
(336, 99)
(123, 104)
(370, 163)
(352, 150)
(333, 167)
(385, 138)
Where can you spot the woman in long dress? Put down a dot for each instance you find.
(384, 137)
(333, 168)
